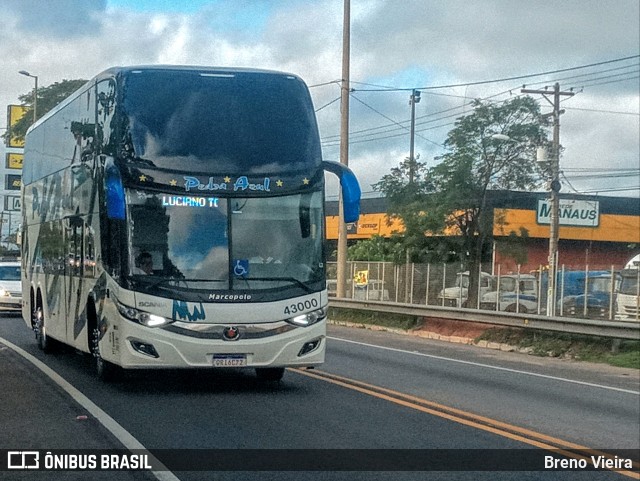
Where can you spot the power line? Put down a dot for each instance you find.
(612, 81)
(335, 82)
(505, 79)
(637, 114)
(387, 126)
(599, 72)
(611, 189)
(379, 133)
(618, 175)
(326, 105)
(602, 169)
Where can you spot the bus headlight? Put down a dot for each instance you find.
(141, 317)
(4, 292)
(309, 318)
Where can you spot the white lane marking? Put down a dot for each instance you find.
(497, 368)
(107, 421)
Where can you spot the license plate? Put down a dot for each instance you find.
(229, 360)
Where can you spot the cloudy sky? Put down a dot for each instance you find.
(453, 50)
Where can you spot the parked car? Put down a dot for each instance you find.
(518, 293)
(597, 298)
(457, 295)
(10, 286)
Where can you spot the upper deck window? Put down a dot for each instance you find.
(229, 123)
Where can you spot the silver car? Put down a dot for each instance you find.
(10, 286)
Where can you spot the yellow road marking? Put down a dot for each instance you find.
(483, 423)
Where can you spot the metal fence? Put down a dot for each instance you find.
(581, 293)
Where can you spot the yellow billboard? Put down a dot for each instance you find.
(14, 160)
(15, 113)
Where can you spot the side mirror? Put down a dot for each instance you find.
(114, 191)
(350, 189)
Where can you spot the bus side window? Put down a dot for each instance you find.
(105, 107)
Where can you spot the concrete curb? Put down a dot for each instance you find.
(434, 336)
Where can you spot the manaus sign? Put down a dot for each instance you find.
(579, 213)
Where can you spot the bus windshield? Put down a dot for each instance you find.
(240, 123)
(226, 244)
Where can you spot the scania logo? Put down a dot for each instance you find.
(150, 304)
(231, 333)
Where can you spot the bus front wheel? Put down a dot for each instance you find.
(105, 371)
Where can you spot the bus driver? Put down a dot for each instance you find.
(144, 264)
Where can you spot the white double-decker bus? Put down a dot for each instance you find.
(174, 217)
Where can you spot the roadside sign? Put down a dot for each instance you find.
(14, 160)
(13, 182)
(581, 213)
(15, 113)
(12, 203)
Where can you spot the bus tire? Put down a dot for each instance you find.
(45, 343)
(105, 370)
(269, 374)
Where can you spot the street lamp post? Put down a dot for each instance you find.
(35, 93)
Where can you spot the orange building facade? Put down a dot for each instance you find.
(595, 231)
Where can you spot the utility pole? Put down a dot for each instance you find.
(341, 274)
(554, 198)
(413, 100)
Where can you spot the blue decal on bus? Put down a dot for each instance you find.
(181, 312)
(241, 267)
(242, 183)
(193, 183)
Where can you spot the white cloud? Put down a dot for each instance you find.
(405, 43)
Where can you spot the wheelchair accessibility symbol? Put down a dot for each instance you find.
(241, 267)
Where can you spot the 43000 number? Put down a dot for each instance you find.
(301, 306)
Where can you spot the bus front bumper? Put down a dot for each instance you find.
(278, 344)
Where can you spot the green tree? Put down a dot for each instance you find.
(407, 200)
(492, 148)
(377, 249)
(48, 98)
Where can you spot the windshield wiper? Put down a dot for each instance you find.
(293, 280)
(177, 281)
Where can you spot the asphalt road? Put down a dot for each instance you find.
(377, 391)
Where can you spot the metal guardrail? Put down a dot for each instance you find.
(612, 329)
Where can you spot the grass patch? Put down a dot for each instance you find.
(568, 346)
(539, 343)
(394, 321)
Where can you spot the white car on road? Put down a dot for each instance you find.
(10, 286)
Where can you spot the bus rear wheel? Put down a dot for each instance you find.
(270, 374)
(45, 343)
